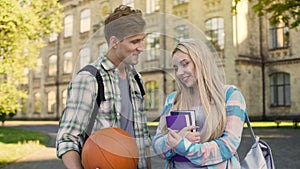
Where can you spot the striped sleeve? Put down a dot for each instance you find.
(159, 140)
(223, 148)
(80, 101)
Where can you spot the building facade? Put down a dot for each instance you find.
(259, 58)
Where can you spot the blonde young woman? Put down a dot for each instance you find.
(220, 113)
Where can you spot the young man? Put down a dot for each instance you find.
(123, 106)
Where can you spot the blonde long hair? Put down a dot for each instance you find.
(211, 87)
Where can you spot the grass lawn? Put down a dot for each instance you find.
(15, 143)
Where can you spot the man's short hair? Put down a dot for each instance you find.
(124, 22)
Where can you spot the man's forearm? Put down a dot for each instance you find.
(72, 160)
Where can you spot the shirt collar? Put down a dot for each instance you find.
(108, 65)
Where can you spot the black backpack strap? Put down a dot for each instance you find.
(94, 71)
(137, 78)
(100, 98)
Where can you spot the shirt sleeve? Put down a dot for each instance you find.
(223, 148)
(159, 140)
(80, 101)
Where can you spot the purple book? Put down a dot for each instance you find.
(177, 122)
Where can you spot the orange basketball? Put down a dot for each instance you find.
(110, 148)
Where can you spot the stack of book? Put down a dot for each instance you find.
(177, 121)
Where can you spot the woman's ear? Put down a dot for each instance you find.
(113, 41)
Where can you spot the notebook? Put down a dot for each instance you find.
(178, 120)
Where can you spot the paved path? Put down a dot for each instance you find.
(283, 141)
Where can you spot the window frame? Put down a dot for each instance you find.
(68, 64)
(152, 97)
(178, 2)
(52, 65)
(152, 6)
(215, 32)
(85, 56)
(68, 26)
(280, 91)
(153, 46)
(85, 20)
(279, 36)
(51, 100)
(181, 32)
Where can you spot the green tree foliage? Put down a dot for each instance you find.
(287, 11)
(24, 25)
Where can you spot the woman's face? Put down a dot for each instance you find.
(184, 68)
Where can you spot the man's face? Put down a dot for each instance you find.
(128, 49)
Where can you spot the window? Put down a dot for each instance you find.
(181, 32)
(128, 3)
(280, 89)
(178, 2)
(68, 65)
(103, 48)
(214, 30)
(84, 57)
(52, 65)
(53, 35)
(153, 46)
(279, 36)
(51, 102)
(38, 70)
(152, 6)
(151, 101)
(68, 31)
(37, 103)
(85, 20)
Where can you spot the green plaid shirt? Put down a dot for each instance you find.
(82, 93)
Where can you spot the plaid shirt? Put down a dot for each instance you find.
(220, 153)
(82, 93)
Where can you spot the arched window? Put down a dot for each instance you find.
(280, 89)
(68, 26)
(153, 46)
(128, 3)
(214, 31)
(52, 65)
(37, 103)
(68, 64)
(178, 2)
(181, 32)
(152, 6)
(85, 57)
(151, 100)
(38, 70)
(51, 102)
(53, 35)
(85, 20)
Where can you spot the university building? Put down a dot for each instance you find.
(261, 59)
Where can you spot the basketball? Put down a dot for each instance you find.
(110, 148)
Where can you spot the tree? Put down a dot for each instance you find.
(287, 11)
(24, 26)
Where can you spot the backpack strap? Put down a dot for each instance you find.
(138, 80)
(100, 98)
(94, 71)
